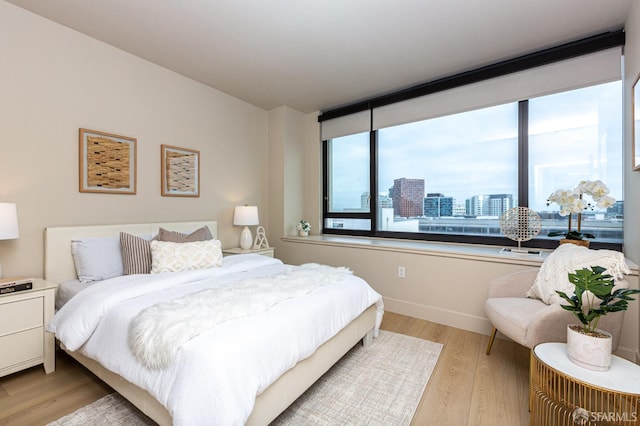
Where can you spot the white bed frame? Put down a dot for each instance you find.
(59, 267)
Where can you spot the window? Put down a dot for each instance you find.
(448, 174)
(448, 157)
(450, 178)
(573, 136)
(347, 183)
(349, 174)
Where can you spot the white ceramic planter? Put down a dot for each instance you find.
(303, 233)
(593, 353)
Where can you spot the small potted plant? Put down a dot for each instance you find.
(593, 298)
(303, 227)
(573, 201)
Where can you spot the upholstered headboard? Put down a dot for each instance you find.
(58, 263)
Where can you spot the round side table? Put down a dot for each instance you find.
(563, 393)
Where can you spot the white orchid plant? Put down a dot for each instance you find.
(303, 225)
(573, 201)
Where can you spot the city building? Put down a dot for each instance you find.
(437, 205)
(407, 196)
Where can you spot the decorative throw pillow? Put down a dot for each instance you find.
(201, 234)
(96, 259)
(136, 254)
(554, 272)
(175, 257)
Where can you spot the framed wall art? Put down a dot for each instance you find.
(635, 122)
(180, 173)
(107, 163)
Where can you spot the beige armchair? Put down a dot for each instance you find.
(530, 321)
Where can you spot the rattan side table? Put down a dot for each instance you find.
(563, 393)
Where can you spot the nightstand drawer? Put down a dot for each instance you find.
(21, 315)
(20, 347)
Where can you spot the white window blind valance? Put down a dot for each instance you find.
(594, 68)
(346, 125)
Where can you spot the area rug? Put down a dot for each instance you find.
(378, 385)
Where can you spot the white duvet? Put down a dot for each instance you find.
(214, 377)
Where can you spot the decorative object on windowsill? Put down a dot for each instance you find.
(572, 201)
(595, 295)
(520, 224)
(246, 216)
(261, 238)
(8, 224)
(303, 227)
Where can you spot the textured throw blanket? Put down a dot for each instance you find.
(158, 332)
(567, 258)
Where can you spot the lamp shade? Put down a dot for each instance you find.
(8, 222)
(246, 215)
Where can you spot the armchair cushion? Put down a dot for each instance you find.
(511, 315)
(553, 275)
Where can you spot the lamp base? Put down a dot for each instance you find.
(246, 240)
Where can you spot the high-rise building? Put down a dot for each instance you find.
(437, 205)
(489, 205)
(476, 205)
(407, 196)
(499, 203)
(365, 201)
(384, 202)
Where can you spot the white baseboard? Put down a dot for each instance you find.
(439, 315)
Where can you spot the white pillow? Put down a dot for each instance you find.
(97, 258)
(174, 257)
(554, 272)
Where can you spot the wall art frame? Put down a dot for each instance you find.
(180, 172)
(107, 163)
(635, 125)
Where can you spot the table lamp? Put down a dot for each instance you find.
(8, 224)
(246, 216)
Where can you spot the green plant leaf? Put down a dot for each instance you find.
(600, 285)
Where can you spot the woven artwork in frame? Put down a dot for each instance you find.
(107, 163)
(180, 173)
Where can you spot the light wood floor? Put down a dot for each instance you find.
(466, 388)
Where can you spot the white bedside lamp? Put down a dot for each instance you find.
(8, 224)
(246, 216)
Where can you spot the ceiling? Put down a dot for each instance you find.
(315, 55)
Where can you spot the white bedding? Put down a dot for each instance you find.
(215, 377)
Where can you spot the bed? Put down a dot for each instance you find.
(270, 401)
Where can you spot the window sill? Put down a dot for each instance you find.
(453, 250)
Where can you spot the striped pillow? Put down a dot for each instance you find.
(136, 254)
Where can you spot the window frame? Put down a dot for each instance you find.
(372, 215)
(574, 49)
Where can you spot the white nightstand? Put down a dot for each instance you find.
(269, 251)
(23, 318)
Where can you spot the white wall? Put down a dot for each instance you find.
(55, 81)
(631, 178)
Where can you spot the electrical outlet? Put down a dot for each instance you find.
(401, 271)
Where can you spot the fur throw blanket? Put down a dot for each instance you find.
(158, 332)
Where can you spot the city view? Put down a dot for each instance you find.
(406, 208)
